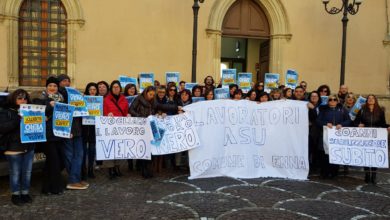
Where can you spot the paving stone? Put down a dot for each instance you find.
(379, 188)
(375, 203)
(210, 184)
(261, 196)
(322, 209)
(305, 188)
(261, 213)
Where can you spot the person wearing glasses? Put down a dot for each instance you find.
(303, 84)
(350, 100)
(332, 114)
(371, 115)
(20, 156)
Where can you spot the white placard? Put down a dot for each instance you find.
(366, 147)
(243, 139)
(122, 138)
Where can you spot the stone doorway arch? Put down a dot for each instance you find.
(279, 31)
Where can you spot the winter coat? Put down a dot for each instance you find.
(45, 100)
(336, 116)
(141, 107)
(118, 108)
(10, 131)
(369, 119)
(167, 106)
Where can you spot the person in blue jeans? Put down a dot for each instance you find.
(20, 156)
(73, 149)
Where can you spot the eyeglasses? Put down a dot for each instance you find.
(332, 99)
(172, 90)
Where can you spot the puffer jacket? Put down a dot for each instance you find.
(369, 119)
(118, 107)
(142, 108)
(10, 130)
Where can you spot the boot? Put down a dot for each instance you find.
(111, 173)
(90, 173)
(367, 177)
(373, 178)
(117, 171)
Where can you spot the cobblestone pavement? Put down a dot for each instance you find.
(170, 195)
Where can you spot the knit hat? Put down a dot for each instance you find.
(62, 77)
(51, 79)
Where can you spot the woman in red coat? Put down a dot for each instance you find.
(115, 105)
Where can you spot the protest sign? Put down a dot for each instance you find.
(95, 108)
(365, 147)
(291, 79)
(122, 138)
(172, 77)
(243, 139)
(130, 99)
(356, 108)
(145, 80)
(244, 81)
(76, 99)
(173, 134)
(228, 77)
(33, 123)
(221, 93)
(324, 100)
(271, 81)
(124, 80)
(189, 86)
(62, 119)
(197, 99)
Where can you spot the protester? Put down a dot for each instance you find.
(232, 88)
(209, 83)
(182, 85)
(172, 99)
(197, 91)
(314, 130)
(156, 83)
(373, 116)
(323, 90)
(185, 98)
(299, 94)
(130, 90)
(251, 95)
(303, 84)
(342, 94)
(350, 100)
(209, 94)
(143, 106)
(89, 139)
(237, 95)
(276, 94)
(53, 148)
(259, 88)
(331, 115)
(73, 149)
(20, 156)
(264, 97)
(115, 105)
(287, 93)
(103, 88)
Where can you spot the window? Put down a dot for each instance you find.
(42, 41)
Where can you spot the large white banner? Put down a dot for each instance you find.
(366, 147)
(173, 134)
(122, 138)
(243, 139)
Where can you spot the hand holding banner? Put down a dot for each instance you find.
(95, 108)
(76, 99)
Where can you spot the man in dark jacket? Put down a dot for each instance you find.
(73, 146)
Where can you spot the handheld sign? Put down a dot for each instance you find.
(228, 77)
(145, 80)
(62, 119)
(95, 108)
(244, 81)
(33, 123)
(221, 93)
(124, 80)
(76, 99)
(271, 81)
(291, 79)
(172, 77)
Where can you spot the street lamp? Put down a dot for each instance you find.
(347, 7)
(195, 8)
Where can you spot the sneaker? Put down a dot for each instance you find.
(26, 198)
(84, 183)
(17, 200)
(76, 186)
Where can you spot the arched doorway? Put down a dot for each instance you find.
(279, 32)
(245, 39)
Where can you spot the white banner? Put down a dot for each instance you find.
(366, 147)
(243, 139)
(122, 138)
(173, 134)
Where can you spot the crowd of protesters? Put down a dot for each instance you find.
(77, 154)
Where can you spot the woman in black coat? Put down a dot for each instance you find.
(314, 131)
(333, 114)
(20, 156)
(373, 116)
(53, 182)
